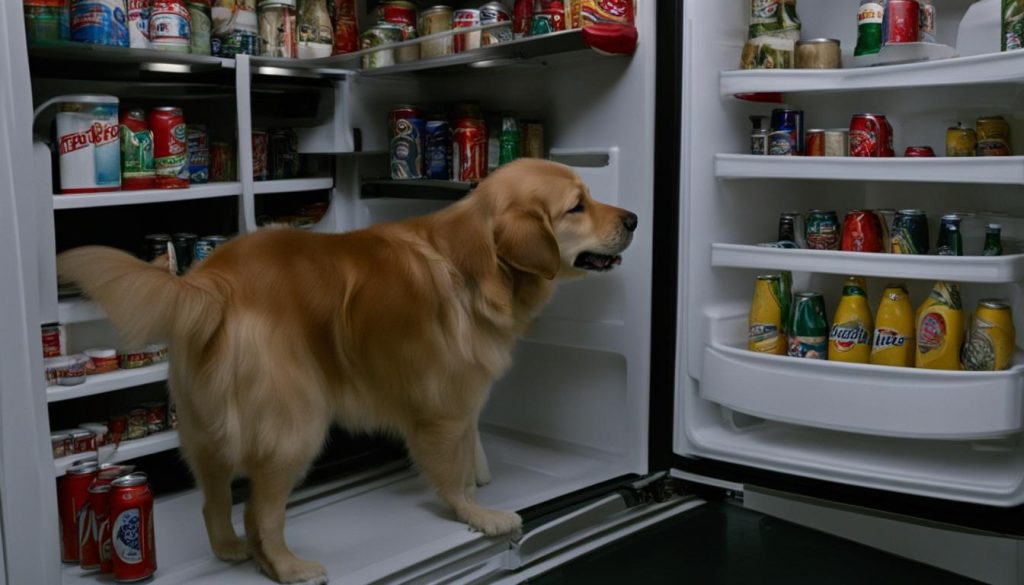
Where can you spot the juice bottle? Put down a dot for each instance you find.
(765, 331)
(893, 341)
(940, 329)
(849, 339)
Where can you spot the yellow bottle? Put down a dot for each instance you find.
(940, 329)
(849, 339)
(893, 341)
(765, 332)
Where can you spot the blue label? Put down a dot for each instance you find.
(438, 150)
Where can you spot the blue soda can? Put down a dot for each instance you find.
(408, 130)
(439, 150)
(198, 154)
(99, 22)
(786, 137)
(909, 232)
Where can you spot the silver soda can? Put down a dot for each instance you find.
(837, 142)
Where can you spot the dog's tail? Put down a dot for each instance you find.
(145, 303)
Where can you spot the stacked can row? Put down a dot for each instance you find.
(138, 423)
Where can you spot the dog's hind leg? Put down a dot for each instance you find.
(214, 475)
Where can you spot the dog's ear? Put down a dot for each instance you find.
(525, 240)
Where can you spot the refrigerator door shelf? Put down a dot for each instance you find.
(990, 170)
(979, 269)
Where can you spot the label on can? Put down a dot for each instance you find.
(126, 536)
(88, 136)
(173, 164)
(469, 151)
(138, 23)
(170, 26)
(100, 22)
(407, 148)
(438, 150)
(201, 26)
(137, 153)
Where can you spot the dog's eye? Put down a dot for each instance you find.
(577, 209)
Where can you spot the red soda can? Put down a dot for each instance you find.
(465, 18)
(814, 143)
(137, 166)
(99, 504)
(260, 143)
(919, 152)
(469, 155)
(131, 528)
(89, 543)
(72, 497)
(862, 232)
(346, 27)
(871, 136)
(522, 15)
(902, 22)
(170, 148)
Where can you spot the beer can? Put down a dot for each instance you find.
(862, 232)
(199, 11)
(205, 246)
(99, 22)
(909, 234)
(170, 147)
(154, 246)
(902, 22)
(531, 136)
(992, 338)
(822, 230)
(223, 162)
(346, 26)
(131, 528)
(940, 329)
(72, 497)
(138, 168)
(522, 15)
(871, 135)
(170, 26)
(407, 130)
(509, 139)
(837, 142)
(919, 152)
(893, 342)
(89, 142)
(849, 338)
(765, 321)
(277, 29)
(808, 330)
(259, 155)
(198, 154)
(138, 23)
(466, 18)
(438, 150)
(469, 150)
(235, 28)
(815, 143)
(375, 37)
(993, 240)
(184, 250)
(993, 136)
(961, 141)
(787, 133)
(950, 242)
(433, 20)
(493, 13)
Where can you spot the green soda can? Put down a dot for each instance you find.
(993, 241)
(869, 27)
(786, 299)
(808, 336)
(508, 139)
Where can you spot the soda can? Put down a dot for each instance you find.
(89, 143)
(469, 150)
(277, 29)
(138, 23)
(138, 170)
(493, 13)
(869, 27)
(283, 154)
(433, 20)
(466, 18)
(154, 246)
(808, 329)
(235, 28)
(379, 35)
(902, 22)
(72, 498)
(222, 162)
(346, 26)
(919, 152)
(961, 141)
(871, 136)
(990, 343)
(184, 250)
(950, 242)
(893, 342)
(170, 147)
(201, 26)
(815, 143)
(46, 21)
(862, 232)
(909, 234)
(198, 155)
(993, 137)
(131, 528)
(822, 230)
(407, 130)
(522, 15)
(206, 245)
(508, 139)
(99, 22)
(531, 136)
(766, 318)
(170, 26)
(993, 240)
(548, 17)
(926, 27)
(438, 151)
(758, 136)
(837, 142)
(787, 133)
(787, 227)
(260, 145)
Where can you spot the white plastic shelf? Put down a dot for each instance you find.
(103, 383)
(205, 191)
(78, 310)
(155, 443)
(982, 269)
(995, 68)
(293, 185)
(990, 170)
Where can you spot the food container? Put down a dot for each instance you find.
(767, 53)
(377, 36)
(103, 359)
(433, 20)
(278, 36)
(493, 13)
(65, 370)
(156, 416)
(100, 430)
(156, 352)
(138, 424)
(83, 440)
(62, 444)
(117, 427)
(132, 359)
(818, 54)
(89, 141)
(402, 14)
(53, 340)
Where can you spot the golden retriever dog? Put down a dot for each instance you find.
(399, 328)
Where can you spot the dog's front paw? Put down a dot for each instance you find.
(494, 522)
(231, 550)
(295, 570)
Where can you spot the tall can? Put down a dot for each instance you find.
(993, 136)
(494, 13)
(346, 27)
(198, 154)
(993, 240)
(1012, 27)
(235, 28)
(902, 22)
(837, 142)
(407, 130)
(46, 21)
(849, 339)
(466, 18)
(522, 15)
(99, 503)
(869, 27)
(893, 341)
(138, 23)
(89, 143)
(277, 28)
(72, 498)
(260, 155)
(991, 341)
(99, 22)
(170, 26)
(787, 133)
(940, 329)
(822, 230)
(862, 232)
(808, 330)
(138, 170)
(950, 242)
(438, 149)
(814, 141)
(170, 147)
(909, 233)
(131, 528)
(469, 150)
(201, 25)
(871, 135)
(961, 141)
(509, 139)
(433, 20)
(765, 321)
(315, 32)
(531, 139)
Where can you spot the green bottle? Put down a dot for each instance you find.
(508, 139)
(993, 243)
(869, 27)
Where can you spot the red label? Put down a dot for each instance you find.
(102, 134)
(73, 142)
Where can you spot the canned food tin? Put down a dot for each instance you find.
(902, 22)
(919, 152)
(138, 169)
(466, 18)
(53, 340)
(909, 234)
(170, 147)
(993, 137)
(315, 34)
(438, 150)
(83, 440)
(260, 144)
(531, 134)
(88, 138)
(235, 28)
(469, 146)
(871, 136)
(433, 20)
(837, 142)
(862, 232)
(406, 144)
(138, 23)
(376, 37)
(822, 230)
(493, 13)
(199, 12)
(815, 143)
(277, 29)
(170, 26)
(767, 52)
(346, 27)
(104, 359)
(46, 21)
(818, 54)
(99, 22)
(72, 496)
(131, 528)
(132, 359)
(61, 444)
(222, 162)
(961, 141)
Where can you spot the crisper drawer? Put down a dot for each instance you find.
(876, 400)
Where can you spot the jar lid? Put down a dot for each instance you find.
(821, 41)
(59, 434)
(82, 433)
(83, 467)
(63, 361)
(89, 99)
(132, 479)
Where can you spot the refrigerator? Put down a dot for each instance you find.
(634, 432)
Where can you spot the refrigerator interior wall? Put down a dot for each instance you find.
(954, 435)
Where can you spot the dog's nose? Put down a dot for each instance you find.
(630, 221)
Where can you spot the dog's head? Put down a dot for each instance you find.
(547, 224)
